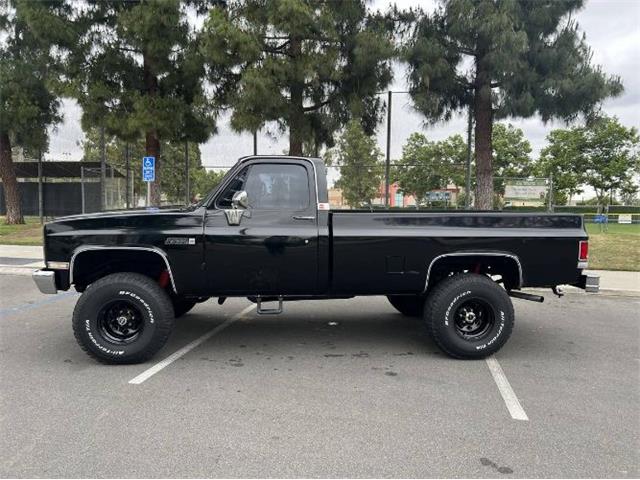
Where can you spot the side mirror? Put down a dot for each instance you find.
(240, 199)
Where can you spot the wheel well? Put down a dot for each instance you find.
(91, 265)
(507, 267)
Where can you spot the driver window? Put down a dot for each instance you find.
(270, 187)
(278, 187)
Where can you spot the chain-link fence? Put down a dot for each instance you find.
(52, 189)
(414, 187)
(94, 197)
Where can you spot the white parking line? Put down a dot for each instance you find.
(508, 395)
(187, 348)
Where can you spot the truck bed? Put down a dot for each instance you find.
(392, 250)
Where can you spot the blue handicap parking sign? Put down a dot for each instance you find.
(149, 169)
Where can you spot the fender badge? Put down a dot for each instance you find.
(180, 241)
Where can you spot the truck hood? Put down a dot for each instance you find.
(139, 212)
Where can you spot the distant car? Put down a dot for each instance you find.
(267, 233)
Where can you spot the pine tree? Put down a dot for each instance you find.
(137, 71)
(28, 104)
(308, 65)
(525, 57)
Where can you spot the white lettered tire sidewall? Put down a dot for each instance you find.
(444, 302)
(145, 295)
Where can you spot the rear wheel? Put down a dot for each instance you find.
(469, 316)
(409, 305)
(123, 318)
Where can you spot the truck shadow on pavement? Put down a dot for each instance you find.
(358, 335)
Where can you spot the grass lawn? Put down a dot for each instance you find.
(27, 234)
(616, 249)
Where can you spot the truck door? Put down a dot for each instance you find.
(273, 248)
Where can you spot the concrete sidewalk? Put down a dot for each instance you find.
(18, 259)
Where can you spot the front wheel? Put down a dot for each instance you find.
(469, 316)
(123, 318)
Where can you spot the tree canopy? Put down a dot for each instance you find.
(28, 103)
(137, 70)
(309, 66)
(359, 161)
(511, 155)
(603, 154)
(503, 59)
(426, 165)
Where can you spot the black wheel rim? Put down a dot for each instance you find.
(474, 318)
(120, 322)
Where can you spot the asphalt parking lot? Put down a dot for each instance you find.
(328, 389)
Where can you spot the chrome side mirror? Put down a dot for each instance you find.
(240, 199)
(239, 204)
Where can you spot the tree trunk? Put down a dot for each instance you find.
(152, 140)
(296, 109)
(483, 115)
(9, 182)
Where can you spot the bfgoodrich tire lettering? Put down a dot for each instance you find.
(469, 316)
(123, 318)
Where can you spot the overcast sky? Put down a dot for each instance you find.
(613, 31)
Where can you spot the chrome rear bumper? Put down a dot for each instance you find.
(45, 281)
(590, 283)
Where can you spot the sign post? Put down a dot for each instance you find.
(149, 174)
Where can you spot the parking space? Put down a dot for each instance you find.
(332, 388)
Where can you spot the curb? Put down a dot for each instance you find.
(12, 270)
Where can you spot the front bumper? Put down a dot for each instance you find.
(45, 281)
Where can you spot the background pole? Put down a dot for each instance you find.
(103, 172)
(550, 193)
(127, 191)
(187, 186)
(467, 188)
(255, 142)
(388, 159)
(40, 189)
(82, 187)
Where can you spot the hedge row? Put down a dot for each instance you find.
(586, 209)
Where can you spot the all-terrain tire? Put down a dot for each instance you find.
(99, 318)
(408, 305)
(458, 300)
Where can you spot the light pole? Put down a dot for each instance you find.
(388, 159)
(467, 189)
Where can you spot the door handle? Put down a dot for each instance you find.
(302, 217)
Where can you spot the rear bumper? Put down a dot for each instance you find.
(45, 281)
(590, 283)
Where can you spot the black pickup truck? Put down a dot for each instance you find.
(267, 233)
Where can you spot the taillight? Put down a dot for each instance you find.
(583, 250)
